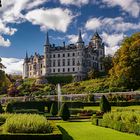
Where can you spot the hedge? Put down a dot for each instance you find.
(52, 136)
(122, 121)
(38, 105)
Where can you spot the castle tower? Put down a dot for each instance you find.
(47, 54)
(80, 42)
(25, 66)
(98, 45)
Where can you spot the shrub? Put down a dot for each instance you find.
(104, 104)
(64, 112)
(54, 109)
(27, 124)
(1, 109)
(27, 111)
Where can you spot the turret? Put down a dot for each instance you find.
(80, 42)
(25, 66)
(47, 54)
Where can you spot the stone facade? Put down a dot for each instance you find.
(73, 59)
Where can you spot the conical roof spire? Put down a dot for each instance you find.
(26, 55)
(47, 39)
(97, 35)
(80, 40)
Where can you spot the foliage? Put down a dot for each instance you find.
(107, 63)
(91, 98)
(54, 109)
(105, 105)
(60, 79)
(1, 109)
(92, 74)
(27, 124)
(88, 86)
(12, 90)
(64, 112)
(125, 71)
(122, 121)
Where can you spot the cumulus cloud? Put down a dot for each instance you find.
(4, 43)
(13, 65)
(112, 42)
(73, 38)
(130, 6)
(13, 11)
(111, 24)
(74, 2)
(55, 19)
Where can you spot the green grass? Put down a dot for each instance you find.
(113, 108)
(87, 131)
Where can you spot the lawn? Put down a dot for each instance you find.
(87, 131)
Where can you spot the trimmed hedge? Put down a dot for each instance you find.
(120, 103)
(38, 105)
(121, 121)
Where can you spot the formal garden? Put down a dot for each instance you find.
(102, 106)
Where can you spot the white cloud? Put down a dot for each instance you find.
(93, 23)
(4, 43)
(74, 38)
(55, 19)
(13, 65)
(111, 24)
(112, 42)
(74, 2)
(12, 12)
(130, 6)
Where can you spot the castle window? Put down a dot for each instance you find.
(63, 62)
(58, 55)
(93, 57)
(63, 55)
(41, 66)
(53, 63)
(73, 54)
(53, 55)
(53, 70)
(58, 70)
(68, 54)
(68, 69)
(63, 70)
(58, 63)
(68, 62)
(73, 62)
(73, 69)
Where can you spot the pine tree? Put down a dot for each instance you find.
(64, 112)
(54, 109)
(104, 105)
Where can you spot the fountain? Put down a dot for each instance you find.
(59, 96)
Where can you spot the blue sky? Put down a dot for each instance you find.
(24, 23)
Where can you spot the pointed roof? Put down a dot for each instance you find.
(26, 55)
(80, 40)
(47, 39)
(96, 35)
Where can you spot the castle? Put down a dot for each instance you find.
(73, 59)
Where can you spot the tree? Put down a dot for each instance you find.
(64, 112)
(54, 109)
(104, 105)
(126, 64)
(93, 73)
(107, 63)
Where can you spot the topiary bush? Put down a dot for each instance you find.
(105, 105)
(54, 109)
(64, 112)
